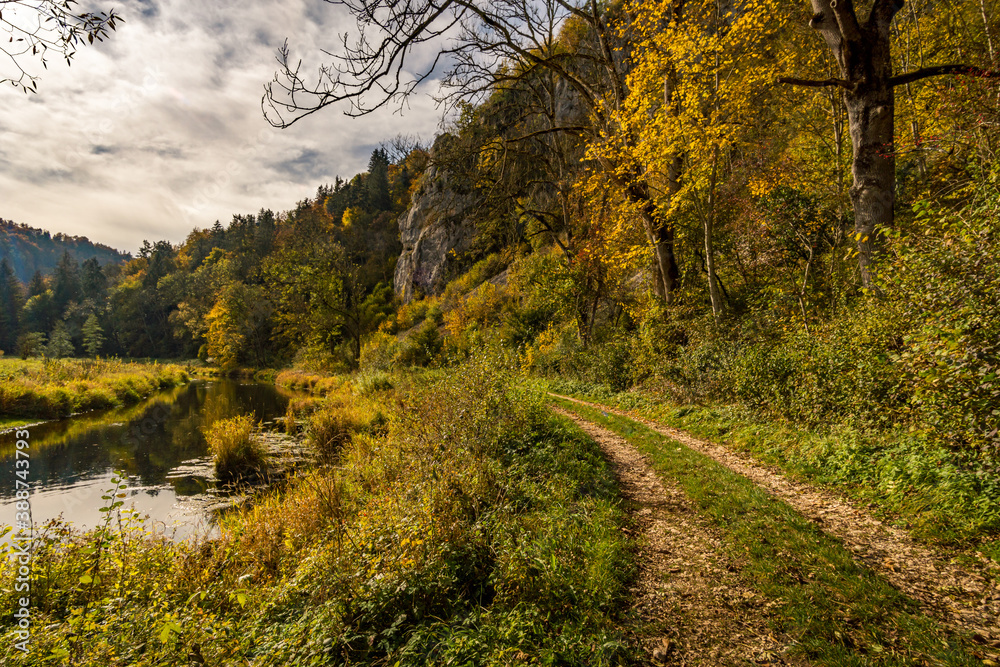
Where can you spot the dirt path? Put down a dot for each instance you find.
(689, 593)
(963, 600)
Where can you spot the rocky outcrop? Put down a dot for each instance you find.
(436, 227)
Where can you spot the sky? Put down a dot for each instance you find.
(159, 130)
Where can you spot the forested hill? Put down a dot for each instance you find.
(29, 250)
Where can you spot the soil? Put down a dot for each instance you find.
(963, 600)
(695, 607)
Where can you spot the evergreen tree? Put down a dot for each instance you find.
(11, 302)
(60, 344)
(377, 183)
(93, 336)
(30, 344)
(37, 285)
(93, 282)
(66, 283)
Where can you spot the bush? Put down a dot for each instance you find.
(368, 383)
(237, 450)
(946, 283)
(379, 352)
(331, 427)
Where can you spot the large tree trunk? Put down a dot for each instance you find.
(871, 119)
(863, 52)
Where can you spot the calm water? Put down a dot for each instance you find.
(158, 444)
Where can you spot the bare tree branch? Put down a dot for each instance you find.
(940, 70)
(816, 83)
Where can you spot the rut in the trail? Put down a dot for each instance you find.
(689, 594)
(965, 601)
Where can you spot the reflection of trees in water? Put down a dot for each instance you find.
(145, 441)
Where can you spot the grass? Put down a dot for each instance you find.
(336, 422)
(57, 388)
(839, 612)
(235, 448)
(470, 528)
(313, 383)
(10, 423)
(904, 476)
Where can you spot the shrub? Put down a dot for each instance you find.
(368, 383)
(236, 448)
(331, 427)
(379, 352)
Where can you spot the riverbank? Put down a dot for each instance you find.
(52, 388)
(469, 526)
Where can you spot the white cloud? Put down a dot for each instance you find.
(159, 130)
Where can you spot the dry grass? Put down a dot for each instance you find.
(236, 449)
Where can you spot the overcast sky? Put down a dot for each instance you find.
(159, 130)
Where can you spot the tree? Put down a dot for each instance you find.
(493, 45)
(36, 28)
(377, 182)
(93, 335)
(863, 52)
(66, 283)
(11, 302)
(93, 282)
(60, 344)
(698, 104)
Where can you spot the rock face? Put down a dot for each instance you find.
(437, 223)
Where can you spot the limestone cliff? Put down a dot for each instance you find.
(437, 223)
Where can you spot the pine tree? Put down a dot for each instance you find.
(60, 344)
(377, 182)
(37, 285)
(66, 283)
(11, 302)
(93, 282)
(93, 336)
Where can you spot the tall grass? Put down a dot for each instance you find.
(235, 447)
(59, 387)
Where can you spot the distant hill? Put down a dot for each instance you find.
(29, 249)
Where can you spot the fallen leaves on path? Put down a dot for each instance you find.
(965, 601)
(697, 609)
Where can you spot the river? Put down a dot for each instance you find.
(158, 443)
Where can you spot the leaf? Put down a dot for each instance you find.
(86, 579)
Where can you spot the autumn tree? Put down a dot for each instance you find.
(488, 45)
(869, 77)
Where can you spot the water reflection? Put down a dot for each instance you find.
(72, 460)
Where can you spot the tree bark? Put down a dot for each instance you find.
(863, 52)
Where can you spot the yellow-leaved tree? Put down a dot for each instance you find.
(700, 105)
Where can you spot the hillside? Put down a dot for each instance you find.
(29, 249)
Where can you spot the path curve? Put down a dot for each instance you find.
(962, 600)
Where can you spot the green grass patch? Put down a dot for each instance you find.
(839, 612)
(55, 388)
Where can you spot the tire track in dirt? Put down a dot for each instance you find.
(964, 601)
(689, 594)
